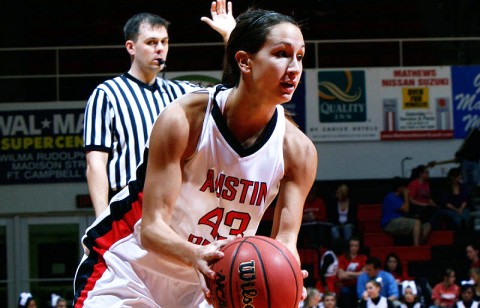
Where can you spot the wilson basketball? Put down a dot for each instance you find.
(256, 271)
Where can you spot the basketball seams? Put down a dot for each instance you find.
(286, 258)
(235, 250)
(265, 278)
(234, 256)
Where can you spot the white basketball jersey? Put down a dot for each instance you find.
(226, 188)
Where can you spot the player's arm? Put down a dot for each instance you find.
(173, 139)
(300, 158)
(222, 19)
(97, 180)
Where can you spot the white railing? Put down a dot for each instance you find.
(317, 45)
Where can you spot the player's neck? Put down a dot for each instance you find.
(246, 119)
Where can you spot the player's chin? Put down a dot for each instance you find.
(285, 98)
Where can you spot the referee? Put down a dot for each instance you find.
(120, 112)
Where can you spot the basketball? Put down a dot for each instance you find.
(256, 271)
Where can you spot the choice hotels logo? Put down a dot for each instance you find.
(341, 96)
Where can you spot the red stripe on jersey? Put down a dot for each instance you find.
(98, 270)
(120, 228)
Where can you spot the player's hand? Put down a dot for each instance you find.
(304, 290)
(222, 19)
(204, 257)
(305, 274)
(304, 294)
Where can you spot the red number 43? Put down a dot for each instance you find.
(216, 218)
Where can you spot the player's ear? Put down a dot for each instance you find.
(243, 60)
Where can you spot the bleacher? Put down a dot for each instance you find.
(443, 248)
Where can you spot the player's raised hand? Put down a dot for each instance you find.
(222, 19)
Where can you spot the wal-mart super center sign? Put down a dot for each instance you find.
(41, 146)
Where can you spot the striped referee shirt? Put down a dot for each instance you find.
(119, 116)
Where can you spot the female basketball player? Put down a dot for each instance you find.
(217, 158)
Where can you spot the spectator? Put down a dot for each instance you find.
(422, 205)
(445, 293)
(373, 271)
(342, 214)
(329, 268)
(410, 295)
(471, 261)
(373, 297)
(314, 208)
(394, 267)
(468, 155)
(467, 297)
(350, 266)
(330, 300)
(455, 201)
(26, 300)
(313, 298)
(315, 228)
(61, 303)
(395, 209)
(57, 301)
(475, 281)
(472, 255)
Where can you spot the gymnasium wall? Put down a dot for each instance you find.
(364, 159)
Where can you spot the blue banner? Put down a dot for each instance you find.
(466, 99)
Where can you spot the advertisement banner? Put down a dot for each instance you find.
(466, 99)
(41, 146)
(380, 104)
(416, 103)
(339, 107)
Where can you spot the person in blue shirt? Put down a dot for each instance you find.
(373, 271)
(395, 220)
